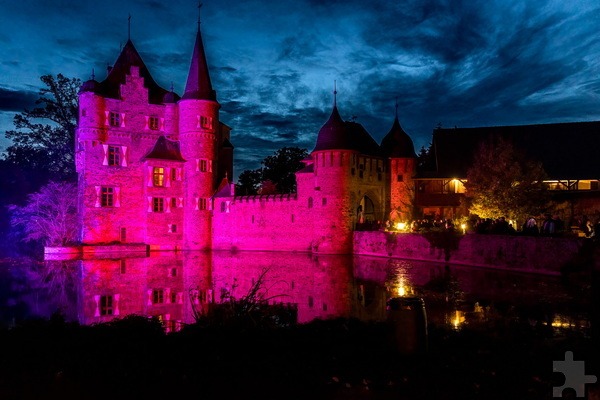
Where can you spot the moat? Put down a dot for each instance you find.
(175, 286)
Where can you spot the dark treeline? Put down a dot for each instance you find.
(341, 358)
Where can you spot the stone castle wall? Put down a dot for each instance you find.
(529, 254)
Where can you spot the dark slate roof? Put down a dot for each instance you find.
(91, 85)
(566, 150)
(337, 134)
(165, 149)
(198, 84)
(397, 143)
(361, 140)
(171, 97)
(110, 87)
(224, 189)
(332, 134)
(227, 144)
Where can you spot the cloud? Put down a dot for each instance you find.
(17, 100)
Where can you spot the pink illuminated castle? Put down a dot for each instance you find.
(153, 168)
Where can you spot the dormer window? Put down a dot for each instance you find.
(158, 176)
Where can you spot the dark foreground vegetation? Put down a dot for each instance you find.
(337, 359)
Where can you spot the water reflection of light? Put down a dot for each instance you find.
(403, 288)
(458, 319)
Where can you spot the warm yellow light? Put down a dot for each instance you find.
(403, 288)
(463, 227)
(401, 226)
(458, 319)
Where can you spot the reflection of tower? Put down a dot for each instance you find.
(196, 287)
(318, 286)
(148, 286)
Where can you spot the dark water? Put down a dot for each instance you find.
(175, 286)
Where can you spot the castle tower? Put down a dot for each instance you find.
(332, 203)
(399, 151)
(120, 119)
(199, 131)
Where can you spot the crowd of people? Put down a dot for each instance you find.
(548, 225)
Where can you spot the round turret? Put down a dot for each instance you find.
(91, 85)
(397, 143)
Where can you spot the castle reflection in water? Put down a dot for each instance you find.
(173, 286)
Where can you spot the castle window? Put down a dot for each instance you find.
(122, 266)
(158, 296)
(293, 218)
(114, 155)
(310, 202)
(83, 113)
(203, 165)
(158, 204)
(153, 123)
(114, 119)
(158, 176)
(107, 197)
(202, 204)
(172, 228)
(253, 219)
(174, 296)
(400, 178)
(206, 122)
(106, 305)
(324, 201)
(311, 302)
(361, 173)
(173, 274)
(173, 202)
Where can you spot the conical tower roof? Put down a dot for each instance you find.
(333, 134)
(397, 143)
(110, 87)
(198, 84)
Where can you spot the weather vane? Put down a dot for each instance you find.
(335, 93)
(199, 8)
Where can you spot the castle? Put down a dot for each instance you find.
(154, 168)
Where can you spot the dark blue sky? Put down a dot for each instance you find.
(273, 63)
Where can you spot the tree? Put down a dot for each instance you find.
(249, 182)
(503, 182)
(281, 168)
(49, 215)
(425, 158)
(43, 139)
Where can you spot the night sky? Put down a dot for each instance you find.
(273, 63)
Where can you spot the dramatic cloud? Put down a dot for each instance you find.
(273, 63)
(16, 100)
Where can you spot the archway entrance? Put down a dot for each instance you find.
(365, 215)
